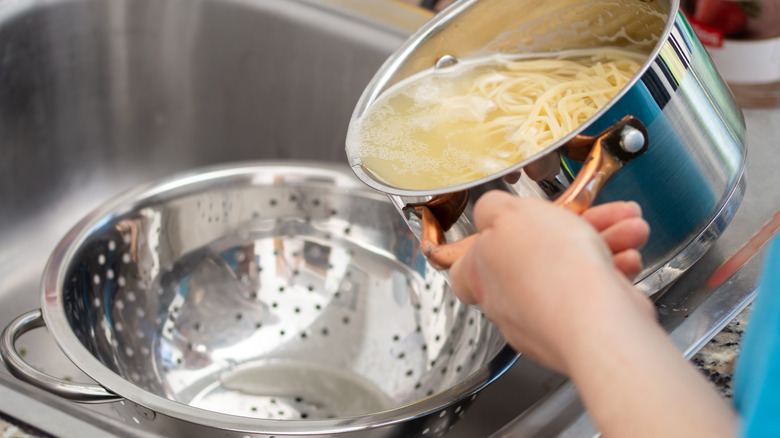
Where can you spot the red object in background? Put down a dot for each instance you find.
(708, 35)
(743, 39)
(751, 248)
(713, 20)
(725, 15)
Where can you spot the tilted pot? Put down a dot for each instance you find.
(688, 181)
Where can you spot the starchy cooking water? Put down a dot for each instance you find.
(450, 126)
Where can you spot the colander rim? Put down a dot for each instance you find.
(56, 320)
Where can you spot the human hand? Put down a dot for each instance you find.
(543, 274)
(624, 231)
(557, 286)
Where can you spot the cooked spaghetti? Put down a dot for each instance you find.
(445, 127)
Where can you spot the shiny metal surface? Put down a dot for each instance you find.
(609, 152)
(80, 80)
(690, 310)
(96, 96)
(696, 152)
(240, 296)
(81, 392)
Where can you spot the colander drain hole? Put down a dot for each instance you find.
(342, 273)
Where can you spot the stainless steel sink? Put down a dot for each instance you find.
(97, 96)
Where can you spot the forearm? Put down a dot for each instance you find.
(635, 382)
(559, 296)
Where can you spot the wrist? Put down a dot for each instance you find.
(616, 319)
(629, 374)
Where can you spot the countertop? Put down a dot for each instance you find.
(716, 360)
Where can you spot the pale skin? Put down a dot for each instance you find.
(559, 288)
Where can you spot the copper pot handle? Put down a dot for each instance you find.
(610, 151)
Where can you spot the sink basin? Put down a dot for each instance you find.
(97, 96)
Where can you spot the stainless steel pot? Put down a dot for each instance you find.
(691, 175)
(262, 299)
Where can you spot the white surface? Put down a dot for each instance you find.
(748, 62)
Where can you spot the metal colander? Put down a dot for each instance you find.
(238, 297)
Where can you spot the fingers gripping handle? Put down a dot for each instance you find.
(610, 151)
(440, 254)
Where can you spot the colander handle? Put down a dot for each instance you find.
(78, 392)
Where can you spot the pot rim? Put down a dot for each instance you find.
(56, 320)
(379, 84)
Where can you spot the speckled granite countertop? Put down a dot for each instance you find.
(716, 359)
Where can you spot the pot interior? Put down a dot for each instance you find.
(512, 28)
